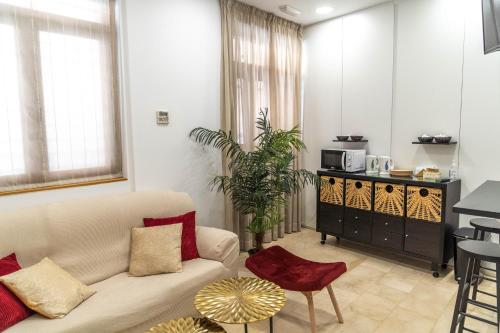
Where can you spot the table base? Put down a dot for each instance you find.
(270, 326)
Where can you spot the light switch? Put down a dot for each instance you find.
(162, 117)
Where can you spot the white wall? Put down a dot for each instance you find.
(442, 82)
(171, 57)
(427, 86)
(367, 76)
(174, 63)
(347, 85)
(322, 77)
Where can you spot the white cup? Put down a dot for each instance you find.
(386, 164)
(372, 164)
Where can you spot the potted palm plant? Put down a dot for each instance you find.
(260, 180)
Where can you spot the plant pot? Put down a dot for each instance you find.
(252, 251)
(259, 239)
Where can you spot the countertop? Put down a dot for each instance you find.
(407, 180)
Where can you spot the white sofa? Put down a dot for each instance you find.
(91, 239)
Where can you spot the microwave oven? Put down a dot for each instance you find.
(348, 160)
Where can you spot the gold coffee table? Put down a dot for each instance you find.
(187, 325)
(240, 301)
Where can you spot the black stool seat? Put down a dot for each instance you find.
(485, 224)
(460, 234)
(472, 253)
(481, 250)
(464, 233)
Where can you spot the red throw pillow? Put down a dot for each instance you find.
(188, 247)
(12, 310)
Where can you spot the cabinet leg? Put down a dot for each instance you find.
(323, 238)
(435, 269)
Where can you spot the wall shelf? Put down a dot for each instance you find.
(434, 143)
(351, 141)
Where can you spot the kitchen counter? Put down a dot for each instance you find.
(398, 180)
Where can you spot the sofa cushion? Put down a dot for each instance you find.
(156, 250)
(12, 310)
(188, 220)
(47, 289)
(123, 301)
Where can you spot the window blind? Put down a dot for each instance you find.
(59, 103)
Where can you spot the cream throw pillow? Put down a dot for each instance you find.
(156, 250)
(47, 289)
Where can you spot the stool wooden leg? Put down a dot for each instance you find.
(312, 316)
(477, 272)
(466, 293)
(466, 265)
(335, 304)
(498, 294)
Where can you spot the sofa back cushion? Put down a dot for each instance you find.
(89, 238)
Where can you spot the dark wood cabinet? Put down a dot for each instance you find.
(357, 225)
(333, 219)
(408, 216)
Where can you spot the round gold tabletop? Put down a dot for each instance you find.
(187, 325)
(240, 300)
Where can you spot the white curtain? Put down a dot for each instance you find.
(261, 68)
(59, 112)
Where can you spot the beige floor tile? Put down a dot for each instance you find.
(403, 321)
(379, 293)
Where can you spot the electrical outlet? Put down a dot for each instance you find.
(162, 117)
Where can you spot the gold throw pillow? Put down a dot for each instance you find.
(47, 289)
(156, 250)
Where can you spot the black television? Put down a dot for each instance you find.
(491, 25)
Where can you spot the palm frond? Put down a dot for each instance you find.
(217, 139)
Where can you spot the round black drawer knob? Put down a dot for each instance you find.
(359, 185)
(332, 181)
(424, 192)
(389, 188)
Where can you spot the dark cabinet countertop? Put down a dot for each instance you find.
(382, 178)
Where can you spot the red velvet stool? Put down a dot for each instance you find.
(293, 273)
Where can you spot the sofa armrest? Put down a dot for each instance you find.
(219, 245)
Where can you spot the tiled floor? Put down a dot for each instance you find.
(379, 293)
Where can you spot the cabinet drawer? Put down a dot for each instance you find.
(381, 237)
(358, 194)
(423, 238)
(332, 190)
(389, 199)
(424, 203)
(356, 216)
(331, 219)
(359, 232)
(357, 225)
(388, 223)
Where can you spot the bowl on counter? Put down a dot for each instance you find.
(425, 139)
(342, 137)
(356, 137)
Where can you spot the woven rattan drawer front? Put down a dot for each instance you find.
(358, 194)
(332, 190)
(390, 199)
(424, 203)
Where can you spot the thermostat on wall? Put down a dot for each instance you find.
(162, 117)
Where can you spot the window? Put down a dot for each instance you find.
(59, 110)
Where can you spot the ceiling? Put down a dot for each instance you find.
(308, 8)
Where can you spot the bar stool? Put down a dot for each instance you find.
(481, 227)
(472, 252)
(484, 225)
(458, 236)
